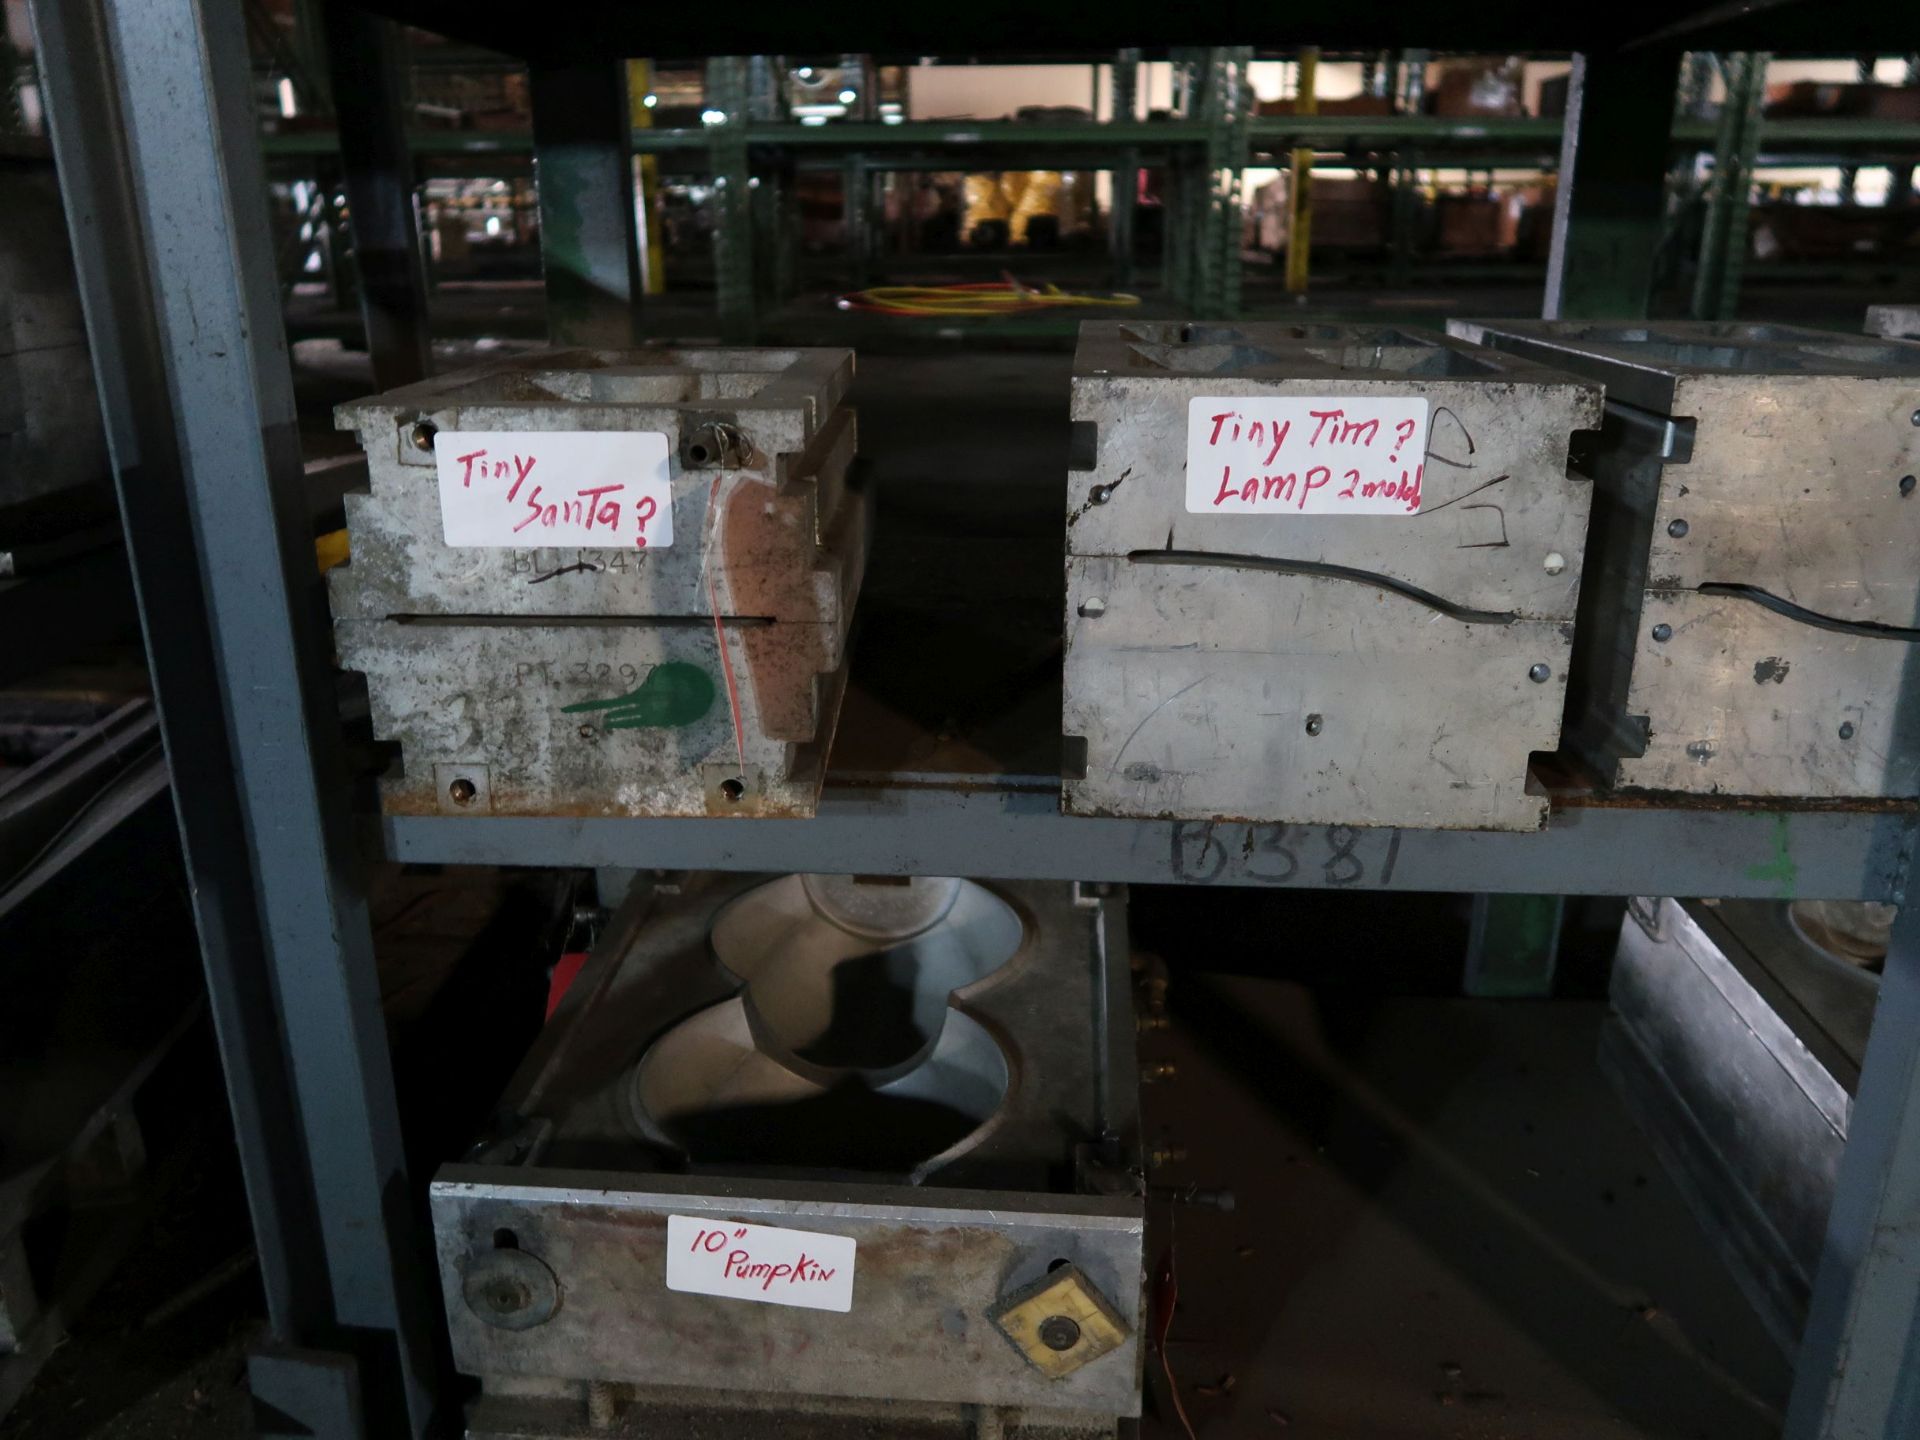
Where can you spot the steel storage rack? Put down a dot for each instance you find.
(153, 122)
(1751, 592)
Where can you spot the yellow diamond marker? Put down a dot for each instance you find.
(1060, 1322)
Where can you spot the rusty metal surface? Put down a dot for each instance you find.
(702, 678)
(1228, 691)
(1742, 467)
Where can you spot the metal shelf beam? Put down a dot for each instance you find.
(1013, 833)
(1786, 138)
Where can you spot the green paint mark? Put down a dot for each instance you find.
(672, 695)
(1781, 870)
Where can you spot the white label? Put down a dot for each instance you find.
(760, 1262)
(1293, 455)
(523, 490)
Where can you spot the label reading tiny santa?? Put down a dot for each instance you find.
(521, 490)
(760, 1262)
(1294, 455)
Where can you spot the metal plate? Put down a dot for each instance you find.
(1301, 700)
(930, 1265)
(564, 720)
(1741, 701)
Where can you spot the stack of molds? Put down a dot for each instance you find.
(1317, 574)
(1751, 588)
(817, 1148)
(606, 582)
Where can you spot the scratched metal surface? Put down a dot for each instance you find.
(1741, 701)
(1193, 686)
(796, 442)
(558, 719)
(528, 677)
(1789, 481)
(930, 1264)
(1255, 696)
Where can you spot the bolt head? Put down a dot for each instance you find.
(1846, 730)
(1555, 563)
(1907, 482)
(1539, 673)
(1663, 632)
(1678, 529)
(1059, 1332)
(1916, 417)
(421, 436)
(1092, 608)
(463, 791)
(1315, 724)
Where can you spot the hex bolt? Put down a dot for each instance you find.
(1092, 608)
(1555, 562)
(1166, 1155)
(1678, 529)
(1059, 1332)
(422, 436)
(1907, 482)
(1663, 632)
(1915, 417)
(1846, 729)
(1100, 494)
(1146, 1024)
(463, 791)
(1539, 673)
(1158, 1070)
(587, 732)
(1315, 724)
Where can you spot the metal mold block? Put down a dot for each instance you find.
(699, 678)
(810, 1017)
(1751, 561)
(1407, 678)
(1737, 1045)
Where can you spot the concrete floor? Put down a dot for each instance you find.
(1446, 1227)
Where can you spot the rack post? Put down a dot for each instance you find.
(150, 104)
(1611, 197)
(589, 222)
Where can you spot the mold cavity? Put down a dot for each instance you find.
(841, 1048)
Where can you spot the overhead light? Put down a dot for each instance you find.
(493, 225)
(649, 101)
(805, 72)
(813, 119)
(847, 97)
(713, 117)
